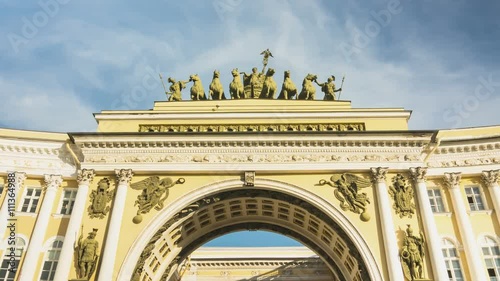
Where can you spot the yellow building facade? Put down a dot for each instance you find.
(370, 198)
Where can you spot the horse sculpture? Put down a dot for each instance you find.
(236, 87)
(269, 87)
(197, 91)
(288, 90)
(215, 90)
(308, 91)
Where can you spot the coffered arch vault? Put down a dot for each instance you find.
(224, 207)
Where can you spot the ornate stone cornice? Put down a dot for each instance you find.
(124, 176)
(53, 181)
(85, 176)
(379, 174)
(490, 177)
(482, 152)
(452, 180)
(418, 173)
(214, 128)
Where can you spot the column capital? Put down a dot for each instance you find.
(379, 174)
(85, 176)
(490, 177)
(124, 176)
(452, 180)
(418, 174)
(53, 181)
(20, 177)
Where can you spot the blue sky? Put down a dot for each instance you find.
(62, 60)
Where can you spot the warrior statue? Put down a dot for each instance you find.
(328, 88)
(87, 255)
(412, 255)
(176, 89)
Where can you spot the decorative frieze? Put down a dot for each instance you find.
(214, 128)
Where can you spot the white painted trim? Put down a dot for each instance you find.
(148, 231)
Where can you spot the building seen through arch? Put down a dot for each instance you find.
(367, 197)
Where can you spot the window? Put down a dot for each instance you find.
(5, 273)
(50, 262)
(491, 254)
(68, 201)
(452, 261)
(31, 200)
(436, 200)
(474, 198)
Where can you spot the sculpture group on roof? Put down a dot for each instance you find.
(253, 85)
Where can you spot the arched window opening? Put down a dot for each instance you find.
(452, 260)
(491, 254)
(10, 264)
(50, 261)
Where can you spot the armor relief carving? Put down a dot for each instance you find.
(154, 193)
(401, 192)
(100, 198)
(347, 191)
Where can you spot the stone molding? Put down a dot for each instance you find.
(418, 174)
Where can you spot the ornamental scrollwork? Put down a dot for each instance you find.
(347, 191)
(154, 193)
(100, 197)
(412, 255)
(401, 192)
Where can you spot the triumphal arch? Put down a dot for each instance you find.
(371, 199)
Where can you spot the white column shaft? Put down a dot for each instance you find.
(495, 197)
(436, 254)
(474, 258)
(14, 181)
(67, 251)
(37, 238)
(389, 235)
(111, 244)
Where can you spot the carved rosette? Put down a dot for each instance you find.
(490, 178)
(124, 176)
(52, 182)
(402, 193)
(418, 174)
(452, 180)
(379, 174)
(85, 176)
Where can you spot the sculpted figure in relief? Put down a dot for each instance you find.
(87, 255)
(253, 83)
(402, 194)
(100, 198)
(154, 193)
(412, 255)
(347, 191)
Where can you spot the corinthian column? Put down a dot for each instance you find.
(14, 183)
(108, 257)
(52, 182)
(436, 254)
(476, 268)
(490, 179)
(388, 234)
(84, 178)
